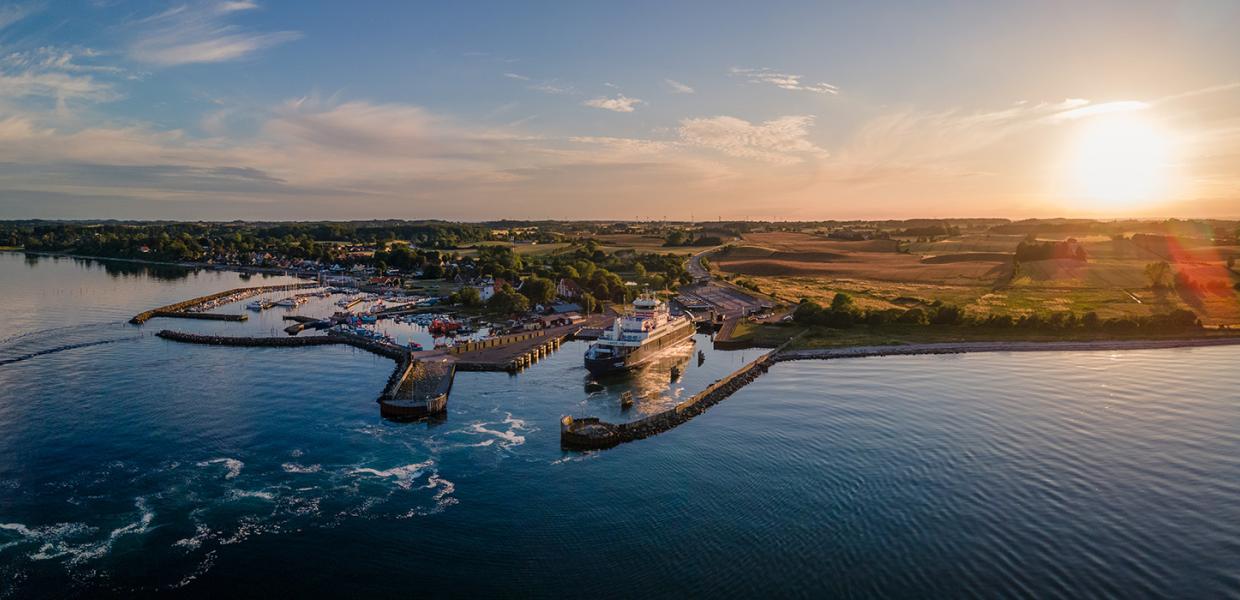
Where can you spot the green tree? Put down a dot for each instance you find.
(1159, 274)
(507, 301)
(539, 290)
(469, 296)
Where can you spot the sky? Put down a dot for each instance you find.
(301, 110)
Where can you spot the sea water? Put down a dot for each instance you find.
(135, 465)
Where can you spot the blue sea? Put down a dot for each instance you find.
(132, 466)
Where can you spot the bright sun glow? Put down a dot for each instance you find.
(1121, 161)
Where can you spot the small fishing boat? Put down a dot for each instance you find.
(444, 327)
(256, 305)
(594, 386)
(626, 400)
(287, 302)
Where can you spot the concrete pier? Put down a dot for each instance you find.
(418, 389)
(515, 351)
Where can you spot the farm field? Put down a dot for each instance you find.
(522, 249)
(975, 271)
(642, 243)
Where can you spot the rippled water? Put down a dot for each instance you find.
(132, 464)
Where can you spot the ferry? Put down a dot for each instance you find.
(637, 337)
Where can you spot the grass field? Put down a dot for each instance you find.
(642, 243)
(521, 249)
(609, 243)
(975, 271)
(771, 335)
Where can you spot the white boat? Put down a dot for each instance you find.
(256, 305)
(287, 302)
(637, 337)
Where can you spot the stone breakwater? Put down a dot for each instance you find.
(182, 309)
(393, 352)
(415, 389)
(1012, 346)
(592, 434)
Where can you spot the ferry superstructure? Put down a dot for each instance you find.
(636, 337)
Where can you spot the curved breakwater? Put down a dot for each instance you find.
(593, 434)
(180, 308)
(392, 352)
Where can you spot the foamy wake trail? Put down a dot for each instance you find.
(443, 496)
(404, 475)
(49, 332)
(261, 495)
(233, 465)
(508, 438)
(575, 457)
(79, 553)
(296, 468)
(45, 534)
(38, 353)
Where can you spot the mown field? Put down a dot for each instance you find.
(607, 242)
(976, 272)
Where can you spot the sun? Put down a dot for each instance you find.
(1121, 161)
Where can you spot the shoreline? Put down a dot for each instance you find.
(1000, 346)
(162, 263)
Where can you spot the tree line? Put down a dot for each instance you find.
(843, 313)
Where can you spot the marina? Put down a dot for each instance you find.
(421, 381)
(235, 451)
(203, 303)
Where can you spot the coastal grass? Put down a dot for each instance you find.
(773, 334)
(976, 273)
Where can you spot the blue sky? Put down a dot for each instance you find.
(304, 110)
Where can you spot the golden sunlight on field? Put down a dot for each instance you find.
(977, 271)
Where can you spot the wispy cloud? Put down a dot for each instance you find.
(52, 73)
(13, 13)
(54, 58)
(1092, 110)
(59, 86)
(782, 80)
(554, 89)
(547, 86)
(620, 103)
(200, 34)
(678, 87)
(780, 141)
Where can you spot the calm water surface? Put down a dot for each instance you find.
(130, 465)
